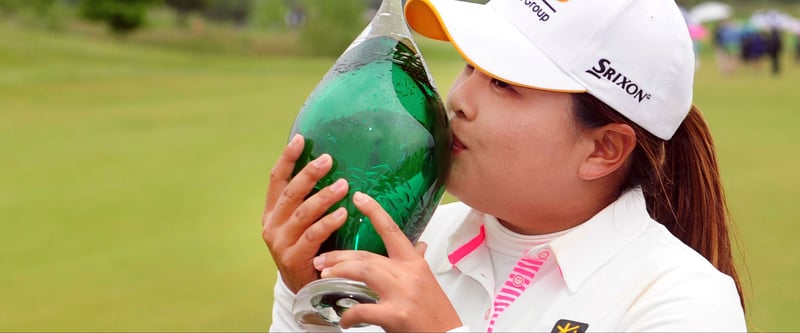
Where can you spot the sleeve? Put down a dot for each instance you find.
(282, 318)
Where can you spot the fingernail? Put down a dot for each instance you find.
(338, 213)
(359, 198)
(325, 272)
(295, 140)
(319, 261)
(338, 185)
(321, 161)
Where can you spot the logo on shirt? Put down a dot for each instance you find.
(569, 326)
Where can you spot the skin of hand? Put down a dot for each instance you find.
(294, 226)
(411, 299)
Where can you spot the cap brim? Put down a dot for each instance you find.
(489, 42)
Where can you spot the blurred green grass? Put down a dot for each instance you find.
(133, 179)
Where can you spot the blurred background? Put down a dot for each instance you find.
(137, 136)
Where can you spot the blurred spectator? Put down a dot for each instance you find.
(726, 45)
(296, 16)
(774, 45)
(753, 47)
(697, 33)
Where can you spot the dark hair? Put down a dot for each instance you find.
(680, 180)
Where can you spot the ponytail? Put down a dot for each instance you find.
(680, 180)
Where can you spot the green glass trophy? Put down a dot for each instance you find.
(378, 113)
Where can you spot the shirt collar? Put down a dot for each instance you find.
(467, 238)
(593, 243)
(578, 253)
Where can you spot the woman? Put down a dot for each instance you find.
(588, 185)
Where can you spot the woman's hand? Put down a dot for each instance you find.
(410, 297)
(294, 226)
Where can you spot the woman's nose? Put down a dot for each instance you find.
(464, 95)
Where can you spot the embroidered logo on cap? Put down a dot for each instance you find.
(539, 9)
(603, 70)
(569, 326)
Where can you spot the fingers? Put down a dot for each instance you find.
(315, 206)
(294, 193)
(320, 230)
(281, 173)
(410, 297)
(363, 314)
(396, 242)
(293, 243)
(305, 220)
(392, 318)
(378, 272)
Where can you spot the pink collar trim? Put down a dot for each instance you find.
(467, 248)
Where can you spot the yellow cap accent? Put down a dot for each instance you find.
(425, 20)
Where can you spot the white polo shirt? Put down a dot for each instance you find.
(619, 271)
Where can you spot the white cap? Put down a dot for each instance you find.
(634, 55)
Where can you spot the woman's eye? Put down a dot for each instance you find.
(468, 68)
(500, 84)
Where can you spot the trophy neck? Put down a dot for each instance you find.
(389, 21)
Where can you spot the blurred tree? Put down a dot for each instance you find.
(11, 6)
(121, 16)
(235, 11)
(38, 7)
(185, 7)
(40, 13)
(331, 25)
(270, 14)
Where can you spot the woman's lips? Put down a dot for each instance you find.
(458, 145)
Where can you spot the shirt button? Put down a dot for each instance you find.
(543, 254)
(540, 254)
(517, 280)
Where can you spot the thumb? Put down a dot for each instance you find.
(360, 315)
(421, 247)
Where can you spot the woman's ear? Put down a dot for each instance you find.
(613, 144)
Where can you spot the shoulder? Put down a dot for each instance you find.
(684, 291)
(668, 254)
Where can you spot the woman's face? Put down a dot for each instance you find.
(516, 150)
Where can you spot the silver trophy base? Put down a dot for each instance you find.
(323, 301)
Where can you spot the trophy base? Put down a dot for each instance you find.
(323, 301)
